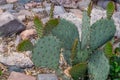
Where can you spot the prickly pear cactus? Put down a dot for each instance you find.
(85, 30)
(25, 45)
(67, 32)
(78, 71)
(98, 66)
(47, 52)
(101, 32)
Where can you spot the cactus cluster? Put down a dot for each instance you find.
(85, 56)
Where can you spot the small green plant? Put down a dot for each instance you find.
(114, 68)
(1, 72)
(114, 60)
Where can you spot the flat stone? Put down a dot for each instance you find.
(27, 34)
(23, 1)
(10, 25)
(11, 1)
(2, 2)
(15, 68)
(77, 12)
(7, 7)
(83, 4)
(47, 77)
(20, 76)
(18, 59)
(57, 11)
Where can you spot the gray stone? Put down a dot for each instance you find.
(16, 58)
(2, 2)
(57, 11)
(102, 3)
(38, 10)
(15, 68)
(7, 7)
(10, 25)
(83, 4)
(47, 77)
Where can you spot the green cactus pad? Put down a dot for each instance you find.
(47, 52)
(110, 9)
(67, 32)
(78, 71)
(38, 26)
(85, 30)
(67, 55)
(52, 23)
(82, 56)
(108, 50)
(25, 45)
(101, 32)
(98, 66)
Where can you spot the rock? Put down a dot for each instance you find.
(18, 40)
(2, 2)
(83, 4)
(24, 1)
(7, 7)
(11, 1)
(3, 48)
(21, 17)
(118, 7)
(47, 77)
(27, 34)
(20, 76)
(102, 3)
(15, 68)
(77, 12)
(1, 11)
(10, 25)
(66, 3)
(57, 11)
(38, 10)
(23, 13)
(16, 58)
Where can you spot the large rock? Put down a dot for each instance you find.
(57, 10)
(20, 76)
(2, 2)
(7, 7)
(17, 59)
(47, 77)
(9, 25)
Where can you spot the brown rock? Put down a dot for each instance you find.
(11, 1)
(28, 34)
(20, 76)
(77, 12)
